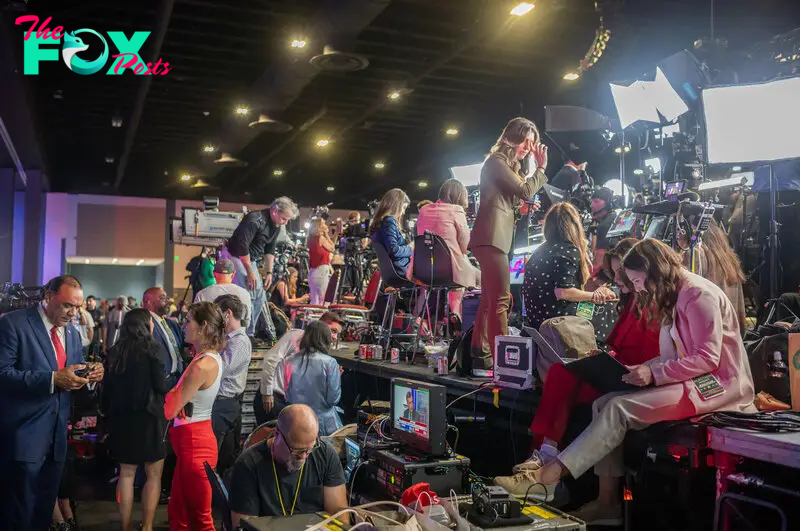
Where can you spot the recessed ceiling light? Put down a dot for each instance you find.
(451, 131)
(422, 184)
(298, 43)
(394, 95)
(638, 171)
(277, 173)
(208, 148)
(571, 76)
(241, 110)
(522, 8)
(330, 188)
(379, 165)
(186, 177)
(323, 142)
(206, 113)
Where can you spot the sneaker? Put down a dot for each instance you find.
(526, 483)
(536, 461)
(600, 515)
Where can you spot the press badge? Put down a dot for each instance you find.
(708, 386)
(585, 310)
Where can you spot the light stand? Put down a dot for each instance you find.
(773, 235)
(622, 171)
(745, 227)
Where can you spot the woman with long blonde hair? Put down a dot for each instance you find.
(503, 184)
(321, 245)
(558, 269)
(385, 229)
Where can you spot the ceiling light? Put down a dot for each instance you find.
(422, 184)
(208, 148)
(330, 188)
(186, 177)
(114, 260)
(451, 131)
(394, 95)
(242, 111)
(322, 142)
(116, 121)
(638, 171)
(571, 76)
(522, 9)
(87, 261)
(140, 261)
(379, 165)
(298, 43)
(109, 159)
(277, 173)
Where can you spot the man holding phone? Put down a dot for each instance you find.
(41, 362)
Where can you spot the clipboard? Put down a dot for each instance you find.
(602, 371)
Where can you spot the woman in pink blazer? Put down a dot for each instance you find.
(700, 347)
(447, 217)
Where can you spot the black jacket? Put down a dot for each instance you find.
(255, 236)
(139, 386)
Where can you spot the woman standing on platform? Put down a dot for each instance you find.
(502, 186)
(190, 404)
(320, 250)
(702, 368)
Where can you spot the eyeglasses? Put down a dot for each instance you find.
(298, 452)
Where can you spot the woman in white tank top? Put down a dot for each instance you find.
(191, 436)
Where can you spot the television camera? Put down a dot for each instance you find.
(17, 297)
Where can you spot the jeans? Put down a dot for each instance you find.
(257, 296)
(318, 280)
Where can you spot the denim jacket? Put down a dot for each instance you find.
(315, 381)
(389, 235)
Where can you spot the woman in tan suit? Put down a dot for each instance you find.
(502, 187)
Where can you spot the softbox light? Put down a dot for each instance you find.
(469, 175)
(645, 100)
(753, 122)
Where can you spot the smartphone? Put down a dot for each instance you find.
(82, 372)
(188, 409)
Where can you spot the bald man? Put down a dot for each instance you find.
(301, 462)
(166, 332)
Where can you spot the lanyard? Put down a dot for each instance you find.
(278, 486)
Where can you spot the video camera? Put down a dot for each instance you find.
(17, 297)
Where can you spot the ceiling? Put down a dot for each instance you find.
(471, 66)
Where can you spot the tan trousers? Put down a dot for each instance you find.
(600, 444)
(492, 318)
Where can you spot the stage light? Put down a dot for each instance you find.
(277, 173)
(644, 100)
(208, 148)
(571, 76)
(638, 171)
(330, 188)
(242, 111)
(752, 123)
(379, 165)
(298, 43)
(186, 177)
(733, 180)
(522, 9)
(323, 142)
(422, 184)
(615, 185)
(394, 95)
(451, 131)
(654, 165)
(469, 175)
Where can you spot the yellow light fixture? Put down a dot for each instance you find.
(394, 95)
(522, 9)
(298, 43)
(186, 177)
(208, 148)
(277, 173)
(571, 76)
(379, 165)
(330, 188)
(323, 142)
(422, 184)
(241, 110)
(452, 131)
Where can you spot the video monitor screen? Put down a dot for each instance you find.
(517, 268)
(623, 224)
(673, 189)
(353, 456)
(411, 412)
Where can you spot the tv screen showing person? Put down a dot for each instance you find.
(411, 410)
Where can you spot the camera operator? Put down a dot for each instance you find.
(253, 240)
(602, 207)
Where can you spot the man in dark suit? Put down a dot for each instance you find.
(165, 331)
(410, 412)
(40, 352)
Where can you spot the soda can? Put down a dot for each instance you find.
(370, 352)
(377, 352)
(441, 365)
(362, 352)
(395, 353)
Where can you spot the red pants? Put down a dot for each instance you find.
(562, 391)
(190, 500)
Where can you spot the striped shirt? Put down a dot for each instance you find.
(235, 361)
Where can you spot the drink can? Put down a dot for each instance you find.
(395, 353)
(377, 352)
(370, 352)
(441, 365)
(362, 352)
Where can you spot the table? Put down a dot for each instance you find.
(778, 448)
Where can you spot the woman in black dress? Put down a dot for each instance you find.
(557, 271)
(133, 401)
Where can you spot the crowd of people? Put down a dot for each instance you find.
(172, 377)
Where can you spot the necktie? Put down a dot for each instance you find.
(61, 355)
(170, 335)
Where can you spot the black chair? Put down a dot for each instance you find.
(433, 268)
(391, 279)
(219, 499)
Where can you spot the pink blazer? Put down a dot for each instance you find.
(706, 331)
(449, 222)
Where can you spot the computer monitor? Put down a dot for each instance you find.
(353, 451)
(517, 267)
(673, 190)
(623, 225)
(418, 416)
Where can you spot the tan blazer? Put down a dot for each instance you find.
(707, 331)
(501, 190)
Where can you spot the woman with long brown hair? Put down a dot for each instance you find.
(702, 367)
(502, 186)
(284, 294)
(190, 404)
(558, 269)
(385, 229)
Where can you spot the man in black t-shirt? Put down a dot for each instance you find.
(309, 474)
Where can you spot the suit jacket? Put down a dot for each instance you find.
(704, 338)
(163, 341)
(33, 421)
(501, 190)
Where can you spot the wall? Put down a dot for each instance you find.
(110, 281)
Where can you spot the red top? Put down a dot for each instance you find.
(317, 255)
(633, 340)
